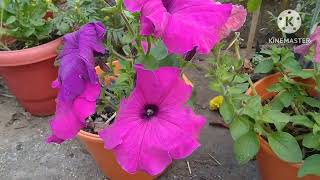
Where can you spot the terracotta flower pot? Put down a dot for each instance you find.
(270, 166)
(28, 73)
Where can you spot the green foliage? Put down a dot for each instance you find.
(310, 166)
(253, 5)
(34, 22)
(289, 121)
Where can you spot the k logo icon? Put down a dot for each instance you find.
(289, 21)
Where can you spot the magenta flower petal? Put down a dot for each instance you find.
(134, 5)
(153, 126)
(184, 24)
(70, 116)
(77, 59)
(235, 21)
(77, 81)
(314, 40)
(65, 125)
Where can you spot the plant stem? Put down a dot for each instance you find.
(252, 86)
(119, 55)
(126, 21)
(111, 118)
(149, 45)
(295, 109)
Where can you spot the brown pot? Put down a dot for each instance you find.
(270, 166)
(28, 73)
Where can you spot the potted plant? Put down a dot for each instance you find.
(137, 119)
(277, 118)
(29, 41)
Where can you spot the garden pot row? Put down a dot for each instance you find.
(28, 73)
(270, 166)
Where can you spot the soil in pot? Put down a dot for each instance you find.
(270, 166)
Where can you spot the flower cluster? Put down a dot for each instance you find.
(184, 25)
(154, 125)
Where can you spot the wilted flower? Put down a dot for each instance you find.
(77, 81)
(314, 40)
(186, 24)
(154, 125)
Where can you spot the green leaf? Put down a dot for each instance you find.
(253, 5)
(216, 86)
(312, 102)
(291, 64)
(253, 107)
(29, 32)
(310, 166)
(150, 62)
(285, 147)
(316, 129)
(239, 88)
(159, 51)
(303, 74)
(274, 116)
(239, 127)
(276, 104)
(246, 147)
(302, 121)
(170, 60)
(126, 49)
(227, 111)
(315, 116)
(264, 66)
(311, 141)
(11, 20)
(276, 88)
(285, 98)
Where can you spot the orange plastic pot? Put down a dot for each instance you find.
(270, 166)
(28, 73)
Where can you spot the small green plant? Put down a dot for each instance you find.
(289, 122)
(34, 22)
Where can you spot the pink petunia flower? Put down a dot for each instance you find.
(77, 81)
(235, 21)
(314, 40)
(186, 24)
(153, 125)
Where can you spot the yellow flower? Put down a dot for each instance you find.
(215, 103)
(49, 1)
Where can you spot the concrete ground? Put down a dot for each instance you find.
(24, 155)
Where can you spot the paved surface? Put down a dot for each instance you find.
(24, 154)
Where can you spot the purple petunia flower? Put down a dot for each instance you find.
(185, 24)
(314, 40)
(77, 80)
(153, 125)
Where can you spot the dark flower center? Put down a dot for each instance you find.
(149, 111)
(167, 4)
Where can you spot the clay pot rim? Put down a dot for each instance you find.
(263, 143)
(91, 136)
(30, 55)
